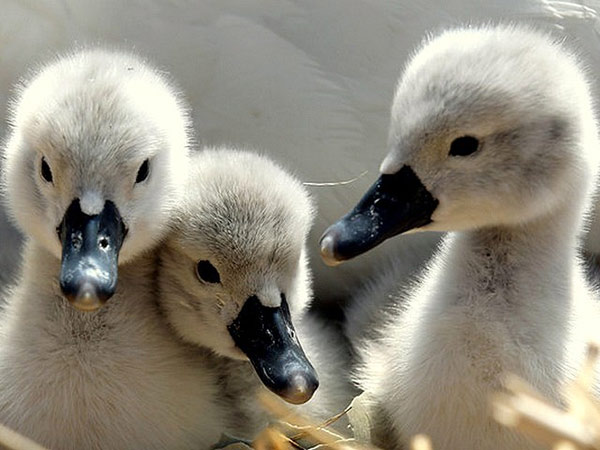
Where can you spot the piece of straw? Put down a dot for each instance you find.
(577, 427)
(420, 442)
(11, 440)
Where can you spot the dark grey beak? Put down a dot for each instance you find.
(90, 251)
(266, 335)
(394, 204)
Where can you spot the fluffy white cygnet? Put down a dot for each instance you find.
(493, 137)
(94, 165)
(234, 279)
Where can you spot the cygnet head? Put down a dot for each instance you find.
(233, 272)
(94, 164)
(490, 126)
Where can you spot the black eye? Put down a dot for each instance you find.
(45, 170)
(464, 146)
(143, 172)
(207, 272)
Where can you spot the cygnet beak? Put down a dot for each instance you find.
(395, 204)
(90, 251)
(267, 337)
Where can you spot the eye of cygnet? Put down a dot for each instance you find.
(45, 171)
(464, 146)
(143, 172)
(206, 272)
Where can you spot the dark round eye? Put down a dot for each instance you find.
(45, 170)
(207, 272)
(464, 146)
(143, 172)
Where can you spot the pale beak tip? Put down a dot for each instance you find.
(301, 389)
(87, 299)
(328, 250)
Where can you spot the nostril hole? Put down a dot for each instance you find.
(103, 243)
(76, 240)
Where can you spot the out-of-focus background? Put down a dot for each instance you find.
(309, 82)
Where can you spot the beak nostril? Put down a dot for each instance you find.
(77, 240)
(104, 243)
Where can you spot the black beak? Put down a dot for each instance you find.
(394, 204)
(90, 251)
(267, 337)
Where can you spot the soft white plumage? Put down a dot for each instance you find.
(506, 291)
(248, 219)
(117, 377)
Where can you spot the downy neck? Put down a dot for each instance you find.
(532, 266)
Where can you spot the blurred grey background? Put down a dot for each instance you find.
(309, 82)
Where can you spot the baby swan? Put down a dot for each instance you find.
(97, 149)
(234, 279)
(96, 156)
(493, 136)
